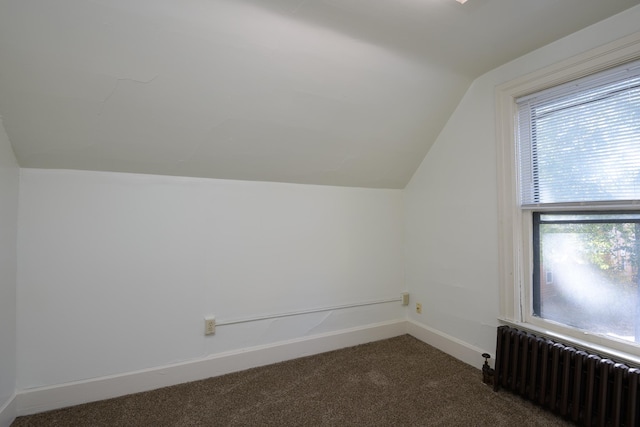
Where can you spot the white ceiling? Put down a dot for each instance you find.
(336, 92)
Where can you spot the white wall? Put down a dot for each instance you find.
(451, 202)
(9, 179)
(117, 271)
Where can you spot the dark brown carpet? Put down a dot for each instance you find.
(396, 382)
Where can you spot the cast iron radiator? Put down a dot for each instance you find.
(581, 387)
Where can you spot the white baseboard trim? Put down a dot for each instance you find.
(8, 412)
(457, 348)
(36, 400)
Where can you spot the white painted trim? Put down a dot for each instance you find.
(593, 344)
(461, 350)
(46, 398)
(515, 230)
(8, 412)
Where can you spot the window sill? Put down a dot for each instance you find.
(629, 359)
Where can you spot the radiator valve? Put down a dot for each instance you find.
(487, 372)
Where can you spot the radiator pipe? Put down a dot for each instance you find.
(487, 372)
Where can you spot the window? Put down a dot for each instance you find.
(569, 197)
(580, 142)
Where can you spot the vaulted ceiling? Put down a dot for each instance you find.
(336, 92)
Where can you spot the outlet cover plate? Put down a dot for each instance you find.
(209, 325)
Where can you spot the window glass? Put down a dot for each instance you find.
(586, 272)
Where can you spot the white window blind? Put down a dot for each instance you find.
(580, 142)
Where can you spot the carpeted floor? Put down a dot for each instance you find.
(396, 382)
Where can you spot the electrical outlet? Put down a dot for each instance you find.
(405, 298)
(418, 308)
(209, 325)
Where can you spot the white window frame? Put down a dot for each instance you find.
(515, 224)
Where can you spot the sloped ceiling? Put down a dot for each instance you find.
(336, 92)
